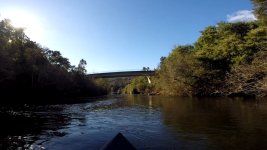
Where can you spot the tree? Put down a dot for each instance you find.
(226, 41)
(81, 67)
(260, 11)
(248, 79)
(57, 59)
(138, 85)
(31, 71)
(178, 71)
(146, 69)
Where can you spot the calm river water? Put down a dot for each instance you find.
(148, 122)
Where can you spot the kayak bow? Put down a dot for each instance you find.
(119, 142)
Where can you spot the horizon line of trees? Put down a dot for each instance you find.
(30, 71)
(228, 59)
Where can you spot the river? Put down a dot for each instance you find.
(148, 122)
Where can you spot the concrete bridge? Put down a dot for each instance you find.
(121, 74)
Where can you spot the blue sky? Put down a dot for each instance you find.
(120, 35)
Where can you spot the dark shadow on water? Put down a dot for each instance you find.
(21, 125)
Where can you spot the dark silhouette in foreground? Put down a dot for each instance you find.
(119, 142)
(30, 73)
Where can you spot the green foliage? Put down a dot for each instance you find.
(227, 59)
(27, 69)
(260, 11)
(138, 85)
(249, 79)
(256, 39)
(226, 41)
(177, 72)
(113, 85)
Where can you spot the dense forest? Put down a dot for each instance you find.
(31, 72)
(228, 59)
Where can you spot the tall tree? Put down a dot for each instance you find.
(81, 67)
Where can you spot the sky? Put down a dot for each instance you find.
(119, 35)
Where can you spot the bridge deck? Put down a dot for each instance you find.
(122, 74)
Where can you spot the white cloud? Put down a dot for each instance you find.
(241, 16)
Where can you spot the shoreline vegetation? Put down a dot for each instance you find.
(228, 59)
(34, 74)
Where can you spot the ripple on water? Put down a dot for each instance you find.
(148, 122)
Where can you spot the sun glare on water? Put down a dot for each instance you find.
(30, 23)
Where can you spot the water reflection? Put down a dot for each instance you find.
(222, 123)
(149, 122)
(219, 123)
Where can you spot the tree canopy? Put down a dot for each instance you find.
(260, 10)
(228, 59)
(31, 71)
